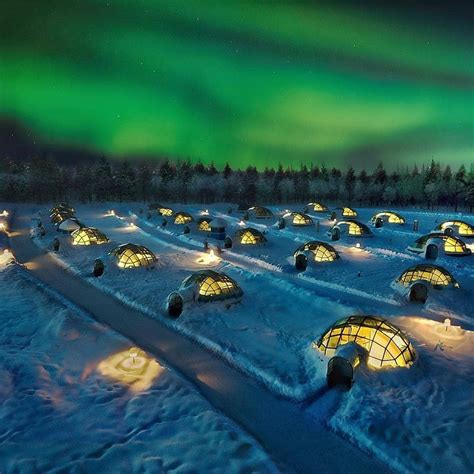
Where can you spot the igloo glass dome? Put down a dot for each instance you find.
(386, 345)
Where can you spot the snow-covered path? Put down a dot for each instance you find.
(287, 430)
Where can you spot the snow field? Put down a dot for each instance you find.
(60, 413)
(404, 416)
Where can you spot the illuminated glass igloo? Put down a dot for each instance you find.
(59, 214)
(298, 219)
(436, 276)
(451, 245)
(182, 218)
(88, 236)
(63, 206)
(342, 212)
(349, 212)
(352, 228)
(260, 212)
(162, 210)
(250, 236)
(131, 256)
(317, 251)
(385, 344)
(463, 229)
(208, 285)
(388, 216)
(203, 224)
(317, 207)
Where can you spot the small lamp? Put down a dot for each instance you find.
(447, 324)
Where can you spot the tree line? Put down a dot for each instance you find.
(45, 180)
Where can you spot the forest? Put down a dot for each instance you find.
(43, 179)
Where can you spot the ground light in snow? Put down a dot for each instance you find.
(447, 324)
(208, 259)
(133, 368)
(6, 257)
(4, 213)
(358, 251)
(443, 336)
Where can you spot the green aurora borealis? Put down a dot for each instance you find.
(240, 82)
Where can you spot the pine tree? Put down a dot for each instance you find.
(167, 172)
(227, 171)
(459, 185)
(350, 180)
(199, 168)
(125, 182)
(103, 181)
(380, 175)
(324, 173)
(211, 170)
(84, 184)
(301, 184)
(315, 172)
(144, 182)
(249, 185)
(469, 196)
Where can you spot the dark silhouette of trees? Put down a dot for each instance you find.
(43, 180)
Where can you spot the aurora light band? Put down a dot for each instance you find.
(244, 83)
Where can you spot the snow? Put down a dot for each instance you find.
(61, 410)
(415, 419)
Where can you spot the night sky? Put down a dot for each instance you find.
(243, 82)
